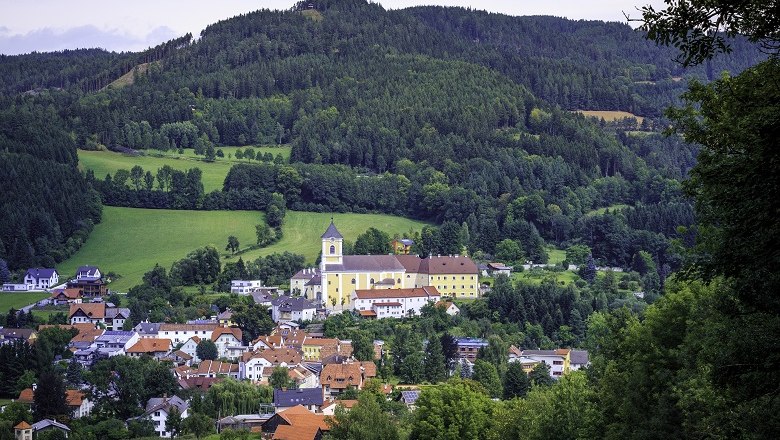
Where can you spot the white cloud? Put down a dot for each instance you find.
(88, 36)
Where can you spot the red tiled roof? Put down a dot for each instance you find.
(235, 331)
(23, 425)
(92, 310)
(151, 345)
(26, 396)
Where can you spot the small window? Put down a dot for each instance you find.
(372, 281)
(332, 249)
(353, 281)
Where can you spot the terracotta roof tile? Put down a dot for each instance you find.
(151, 345)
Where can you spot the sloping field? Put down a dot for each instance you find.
(129, 241)
(108, 162)
(610, 116)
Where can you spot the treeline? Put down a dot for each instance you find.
(48, 207)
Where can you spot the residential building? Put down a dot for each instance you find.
(154, 347)
(48, 425)
(191, 348)
(147, 329)
(402, 246)
(9, 335)
(115, 342)
(228, 341)
(253, 365)
(158, 409)
(578, 359)
(225, 318)
(449, 307)
(211, 368)
(394, 303)
(558, 360)
(61, 297)
(301, 283)
(181, 332)
(496, 269)
(98, 313)
(88, 273)
(41, 278)
(295, 308)
(296, 423)
(336, 378)
(310, 398)
(90, 281)
(79, 403)
(314, 348)
(469, 347)
(244, 287)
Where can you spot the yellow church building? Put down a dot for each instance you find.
(340, 275)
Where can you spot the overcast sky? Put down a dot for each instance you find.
(48, 25)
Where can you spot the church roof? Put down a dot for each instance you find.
(332, 232)
(367, 263)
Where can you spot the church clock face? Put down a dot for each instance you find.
(332, 240)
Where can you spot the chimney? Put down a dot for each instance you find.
(34, 386)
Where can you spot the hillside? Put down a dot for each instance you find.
(130, 241)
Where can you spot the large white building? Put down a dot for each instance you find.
(244, 287)
(41, 279)
(182, 332)
(393, 303)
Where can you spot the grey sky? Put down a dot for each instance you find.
(48, 25)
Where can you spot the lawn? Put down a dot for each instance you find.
(555, 255)
(108, 162)
(17, 300)
(302, 231)
(537, 276)
(601, 211)
(129, 241)
(610, 116)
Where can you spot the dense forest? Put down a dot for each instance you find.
(465, 119)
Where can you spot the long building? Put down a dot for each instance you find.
(341, 275)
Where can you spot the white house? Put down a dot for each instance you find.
(88, 273)
(228, 341)
(449, 307)
(191, 348)
(558, 360)
(158, 408)
(181, 332)
(40, 278)
(244, 287)
(252, 364)
(393, 303)
(287, 308)
(78, 403)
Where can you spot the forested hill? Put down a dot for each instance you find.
(467, 112)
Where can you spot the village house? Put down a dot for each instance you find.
(147, 329)
(402, 246)
(307, 283)
(264, 342)
(113, 318)
(115, 342)
(296, 423)
(211, 368)
(181, 332)
(90, 281)
(336, 378)
(44, 425)
(190, 347)
(158, 409)
(314, 349)
(244, 287)
(154, 347)
(60, 297)
(254, 364)
(287, 308)
(77, 401)
(310, 398)
(9, 335)
(449, 307)
(23, 431)
(228, 341)
(469, 347)
(41, 278)
(558, 360)
(393, 303)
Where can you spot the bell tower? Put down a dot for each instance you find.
(332, 241)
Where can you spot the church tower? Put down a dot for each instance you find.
(332, 241)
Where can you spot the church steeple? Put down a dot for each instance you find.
(332, 241)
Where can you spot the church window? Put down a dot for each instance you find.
(332, 249)
(372, 281)
(353, 281)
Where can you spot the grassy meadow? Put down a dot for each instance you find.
(108, 162)
(17, 300)
(129, 241)
(609, 115)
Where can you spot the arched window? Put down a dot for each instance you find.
(372, 281)
(353, 281)
(332, 249)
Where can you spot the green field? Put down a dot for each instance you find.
(555, 255)
(129, 241)
(17, 300)
(108, 162)
(537, 276)
(611, 208)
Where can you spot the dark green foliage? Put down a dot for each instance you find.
(435, 364)
(456, 408)
(372, 242)
(364, 421)
(540, 375)
(588, 270)
(362, 346)
(486, 374)
(74, 374)
(280, 378)
(253, 319)
(198, 425)
(173, 423)
(232, 244)
(206, 350)
(202, 266)
(49, 398)
(516, 382)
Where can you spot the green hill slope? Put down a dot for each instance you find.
(129, 241)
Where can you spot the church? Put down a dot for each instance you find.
(338, 276)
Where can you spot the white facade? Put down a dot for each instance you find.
(244, 287)
(40, 279)
(84, 410)
(253, 368)
(227, 345)
(191, 348)
(557, 363)
(181, 332)
(158, 420)
(394, 303)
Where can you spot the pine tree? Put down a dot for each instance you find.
(435, 363)
(74, 373)
(516, 382)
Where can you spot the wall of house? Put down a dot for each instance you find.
(456, 285)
